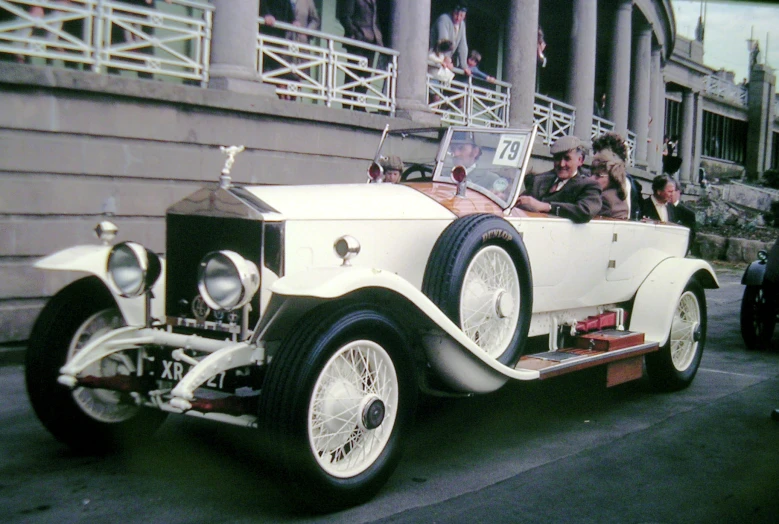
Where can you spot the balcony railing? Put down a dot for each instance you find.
(554, 118)
(329, 69)
(724, 89)
(600, 126)
(468, 102)
(173, 41)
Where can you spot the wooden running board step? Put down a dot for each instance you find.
(621, 351)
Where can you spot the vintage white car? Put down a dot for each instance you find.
(317, 314)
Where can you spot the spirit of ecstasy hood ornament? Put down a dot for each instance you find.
(230, 152)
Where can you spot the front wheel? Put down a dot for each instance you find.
(88, 420)
(674, 366)
(758, 318)
(339, 396)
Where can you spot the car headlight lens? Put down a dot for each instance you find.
(227, 281)
(132, 269)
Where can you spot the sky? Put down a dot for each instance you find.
(729, 25)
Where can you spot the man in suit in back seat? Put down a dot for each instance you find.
(565, 191)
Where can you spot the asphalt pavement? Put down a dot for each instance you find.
(563, 450)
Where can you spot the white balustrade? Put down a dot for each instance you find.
(172, 40)
(323, 67)
(631, 141)
(600, 126)
(717, 87)
(554, 118)
(468, 102)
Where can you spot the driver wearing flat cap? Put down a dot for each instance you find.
(565, 191)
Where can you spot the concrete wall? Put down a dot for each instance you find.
(75, 145)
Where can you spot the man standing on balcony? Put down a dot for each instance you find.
(564, 191)
(360, 22)
(451, 26)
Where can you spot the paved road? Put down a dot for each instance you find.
(566, 450)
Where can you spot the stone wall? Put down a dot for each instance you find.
(714, 247)
(75, 146)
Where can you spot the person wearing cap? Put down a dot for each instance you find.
(451, 26)
(393, 168)
(564, 191)
(466, 152)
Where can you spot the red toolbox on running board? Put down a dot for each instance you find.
(609, 340)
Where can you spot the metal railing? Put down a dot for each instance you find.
(174, 40)
(466, 102)
(600, 126)
(724, 89)
(554, 118)
(326, 68)
(631, 141)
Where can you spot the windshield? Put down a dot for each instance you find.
(492, 159)
(417, 149)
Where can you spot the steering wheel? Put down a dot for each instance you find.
(417, 173)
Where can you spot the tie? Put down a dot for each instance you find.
(556, 186)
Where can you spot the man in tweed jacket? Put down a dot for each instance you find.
(565, 191)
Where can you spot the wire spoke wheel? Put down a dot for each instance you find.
(685, 324)
(337, 402)
(100, 404)
(490, 301)
(479, 275)
(89, 420)
(675, 364)
(353, 408)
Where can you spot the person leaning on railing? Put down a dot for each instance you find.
(359, 19)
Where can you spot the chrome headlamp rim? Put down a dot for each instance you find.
(132, 269)
(226, 280)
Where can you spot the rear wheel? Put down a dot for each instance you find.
(337, 401)
(674, 366)
(758, 318)
(86, 419)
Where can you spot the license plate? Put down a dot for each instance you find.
(173, 370)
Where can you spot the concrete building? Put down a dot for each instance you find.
(117, 110)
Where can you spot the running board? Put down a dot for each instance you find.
(625, 362)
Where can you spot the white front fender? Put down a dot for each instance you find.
(93, 259)
(656, 299)
(457, 358)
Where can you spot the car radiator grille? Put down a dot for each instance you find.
(189, 239)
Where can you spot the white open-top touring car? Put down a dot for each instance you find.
(316, 314)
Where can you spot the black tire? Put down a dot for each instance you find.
(460, 243)
(758, 318)
(674, 366)
(294, 403)
(61, 410)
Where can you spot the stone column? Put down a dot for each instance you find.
(411, 37)
(521, 48)
(581, 76)
(639, 116)
(698, 140)
(760, 112)
(234, 48)
(656, 113)
(617, 98)
(688, 135)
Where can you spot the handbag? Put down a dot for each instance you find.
(444, 75)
